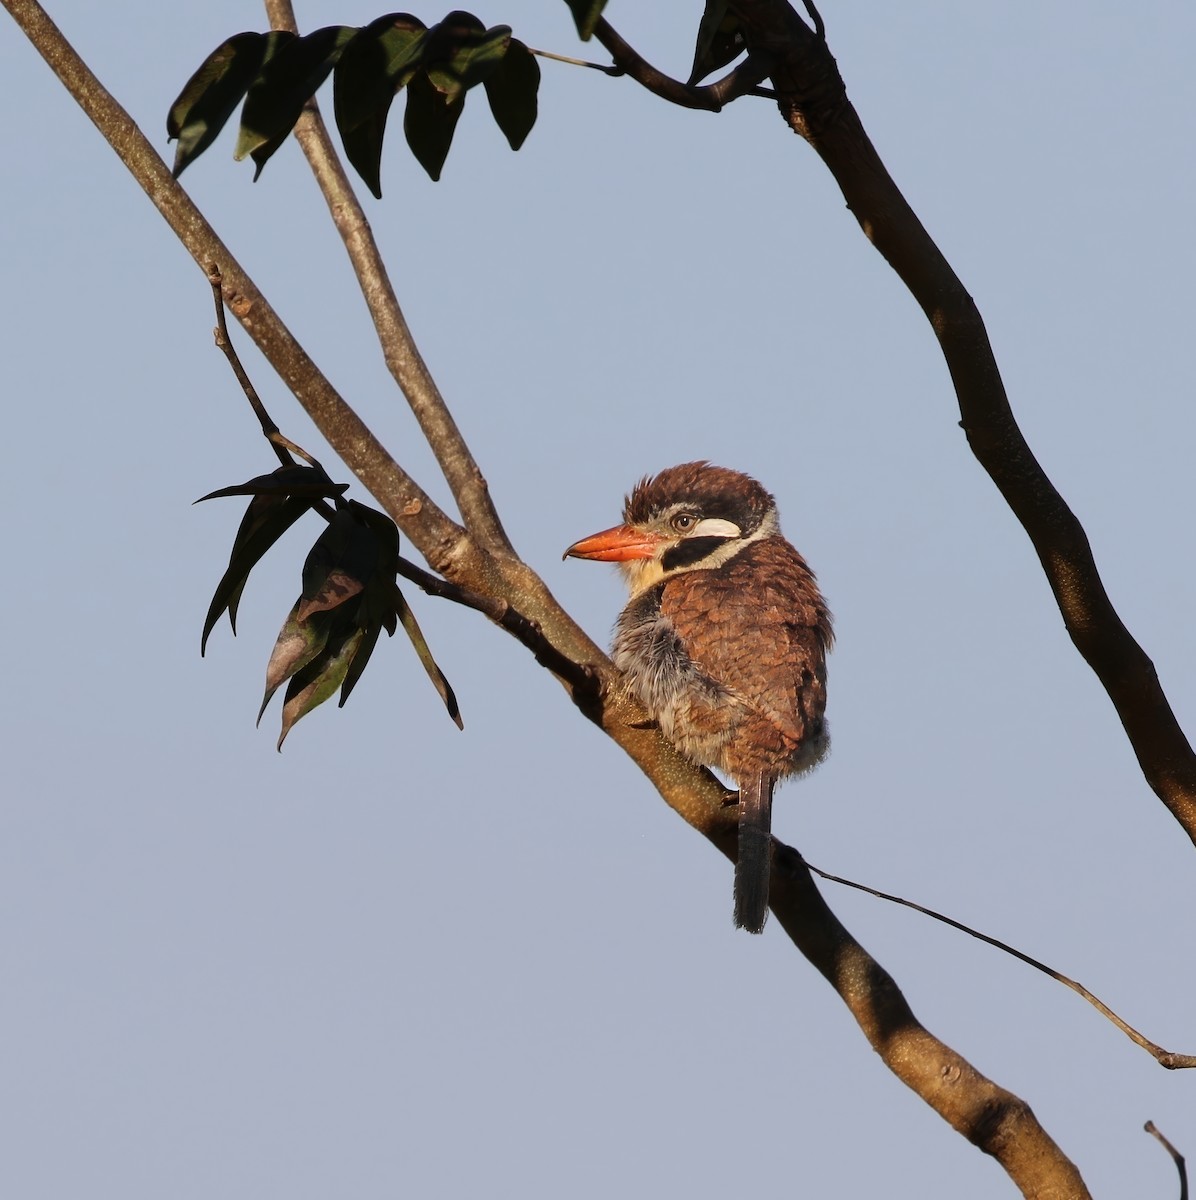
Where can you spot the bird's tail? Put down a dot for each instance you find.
(755, 853)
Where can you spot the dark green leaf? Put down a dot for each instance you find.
(357, 665)
(585, 16)
(348, 548)
(462, 52)
(376, 63)
(511, 90)
(337, 588)
(720, 40)
(288, 79)
(266, 520)
(435, 674)
(312, 685)
(299, 642)
(284, 481)
(207, 101)
(429, 123)
(386, 534)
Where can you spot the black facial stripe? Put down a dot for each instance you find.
(691, 550)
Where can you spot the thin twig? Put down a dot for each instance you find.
(816, 17)
(1178, 1158)
(584, 681)
(282, 445)
(605, 68)
(1166, 1058)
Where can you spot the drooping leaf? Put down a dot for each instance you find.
(292, 480)
(461, 52)
(385, 532)
(279, 500)
(585, 16)
(511, 90)
(429, 123)
(287, 80)
(435, 674)
(347, 548)
(208, 98)
(361, 657)
(377, 62)
(266, 519)
(316, 681)
(298, 643)
(349, 596)
(337, 588)
(720, 40)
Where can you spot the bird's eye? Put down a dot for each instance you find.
(683, 522)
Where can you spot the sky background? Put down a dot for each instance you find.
(398, 959)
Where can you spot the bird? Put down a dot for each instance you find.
(724, 642)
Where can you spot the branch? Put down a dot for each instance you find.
(710, 97)
(399, 350)
(813, 100)
(994, 1119)
(1165, 1058)
(412, 509)
(1176, 1157)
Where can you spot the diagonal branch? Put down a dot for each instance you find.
(814, 102)
(412, 509)
(994, 1119)
(402, 356)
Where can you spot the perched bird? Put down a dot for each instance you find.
(724, 641)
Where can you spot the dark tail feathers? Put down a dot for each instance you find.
(755, 853)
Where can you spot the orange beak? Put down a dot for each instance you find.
(616, 545)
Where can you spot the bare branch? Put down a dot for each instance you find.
(586, 684)
(993, 1118)
(283, 447)
(402, 356)
(814, 102)
(1166, 1058)
(1177, 1158)
(711, 97)
(439, 538)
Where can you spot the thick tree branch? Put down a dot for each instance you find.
(813, 100)
(439, 538)
(993, 1119)
(997, 1121)
(402, 356)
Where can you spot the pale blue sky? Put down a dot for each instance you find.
(333, 972)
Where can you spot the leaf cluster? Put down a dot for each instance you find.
(349, 591)
(276, 73)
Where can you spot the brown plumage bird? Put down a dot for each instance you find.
(724, 641)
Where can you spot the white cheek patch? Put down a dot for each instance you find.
(642, 573)
(715, 527)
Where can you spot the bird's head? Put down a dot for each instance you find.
(692, 517)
